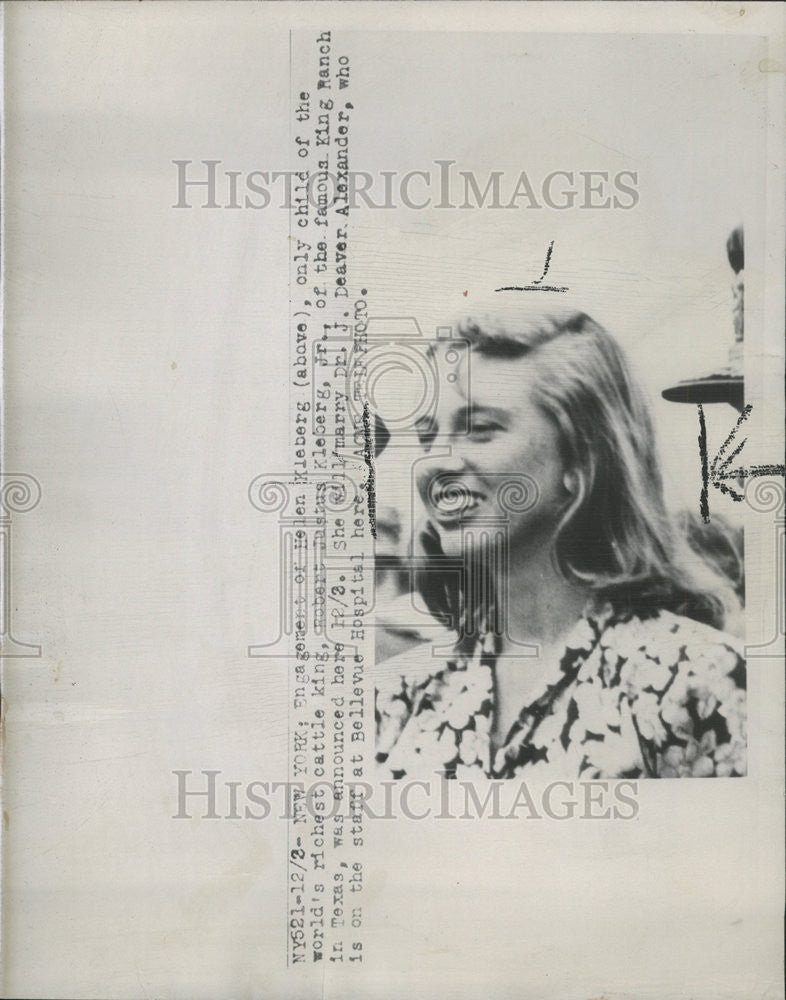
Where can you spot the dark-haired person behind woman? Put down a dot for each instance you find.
(632, 675)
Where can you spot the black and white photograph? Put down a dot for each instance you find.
(589, 619)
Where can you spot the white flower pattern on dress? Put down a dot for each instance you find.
(661, 696)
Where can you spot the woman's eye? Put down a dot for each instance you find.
(484, 427)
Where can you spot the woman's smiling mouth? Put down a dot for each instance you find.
(453, 502)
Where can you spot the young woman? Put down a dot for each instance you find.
(588, 633)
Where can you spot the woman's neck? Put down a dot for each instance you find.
(541, 604)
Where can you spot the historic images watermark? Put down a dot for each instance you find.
(208, 795)
(210, 183)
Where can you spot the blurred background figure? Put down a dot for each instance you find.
(725, 384)
(402, 622)
(719, 542)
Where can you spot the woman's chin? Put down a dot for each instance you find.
(448, 536)
(453, 541)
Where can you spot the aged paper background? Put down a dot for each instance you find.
(146, 384)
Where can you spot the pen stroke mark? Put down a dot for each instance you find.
(704, 504)
(548, 261)
(719, 473)
(370, 486)
(532, 288)
(536, 285)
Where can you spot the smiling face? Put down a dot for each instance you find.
(492, 456)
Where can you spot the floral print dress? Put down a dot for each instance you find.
(662, 696)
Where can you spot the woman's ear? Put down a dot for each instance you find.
(571, 482)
